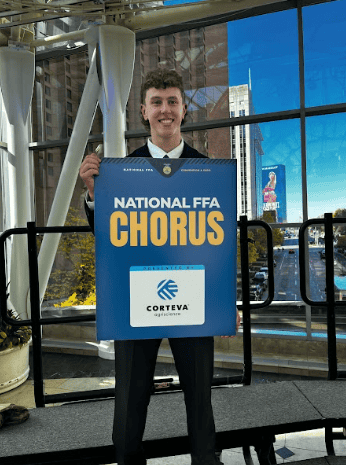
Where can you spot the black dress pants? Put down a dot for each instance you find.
(135, 365)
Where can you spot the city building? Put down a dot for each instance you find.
(247, 149)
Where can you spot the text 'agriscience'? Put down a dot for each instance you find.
(129, 225)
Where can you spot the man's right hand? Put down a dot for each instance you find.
(90, 168)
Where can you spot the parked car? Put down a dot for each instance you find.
(291, 251)
(260, 278)
(264, 270)
(256, 292)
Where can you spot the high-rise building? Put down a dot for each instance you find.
(274, 191)
(247, 149)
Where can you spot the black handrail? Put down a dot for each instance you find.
(246, 307)
(36, 321)
(31, 231)
(330, 303)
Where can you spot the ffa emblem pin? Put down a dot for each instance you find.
(167, 169)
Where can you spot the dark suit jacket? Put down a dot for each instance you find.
(188, 152)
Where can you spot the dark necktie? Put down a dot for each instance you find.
(166, 156)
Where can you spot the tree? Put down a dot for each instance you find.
(253, 254)
(341, 244)
(340, 213)
(260, 235)
(76, 276)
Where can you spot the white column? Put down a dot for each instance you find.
(17, 67)
(117, 55)
(69, 174)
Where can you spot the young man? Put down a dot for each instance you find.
(163, 110)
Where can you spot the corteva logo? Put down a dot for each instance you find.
(167, 289)
(160, 297)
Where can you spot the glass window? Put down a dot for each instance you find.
(263, 54)
(325, 49)
(244, 67)
(59, 94)
(45, 186)
(326, 169)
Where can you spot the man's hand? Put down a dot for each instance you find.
(237, 326)
(90, 168)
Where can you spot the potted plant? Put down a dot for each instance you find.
(14, 354)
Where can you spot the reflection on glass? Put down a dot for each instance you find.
(58, 88)
(324, 50)
(48, 164)
(326, 169)
(60, 26)
(263, 54)
(200, 57)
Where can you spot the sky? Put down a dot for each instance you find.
(267, 47)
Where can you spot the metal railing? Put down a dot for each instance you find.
(36, 321)
(330, 303)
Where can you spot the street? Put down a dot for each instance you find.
(286, 272)
(292, 316)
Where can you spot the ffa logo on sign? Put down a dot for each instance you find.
(167, 289)
(167, 169)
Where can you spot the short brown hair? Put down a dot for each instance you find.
(160, 78)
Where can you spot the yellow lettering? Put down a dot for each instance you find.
(133, 228)
(138, 226)
(118, 219)
(178, 225)
(194, 237)
(158, 228)
(216, 237)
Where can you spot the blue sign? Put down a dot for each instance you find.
(166, 246)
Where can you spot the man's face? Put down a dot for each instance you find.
(165, 110)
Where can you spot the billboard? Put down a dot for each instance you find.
(274, 191)
(165, 237)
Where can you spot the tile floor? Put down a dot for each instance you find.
(66, 373)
